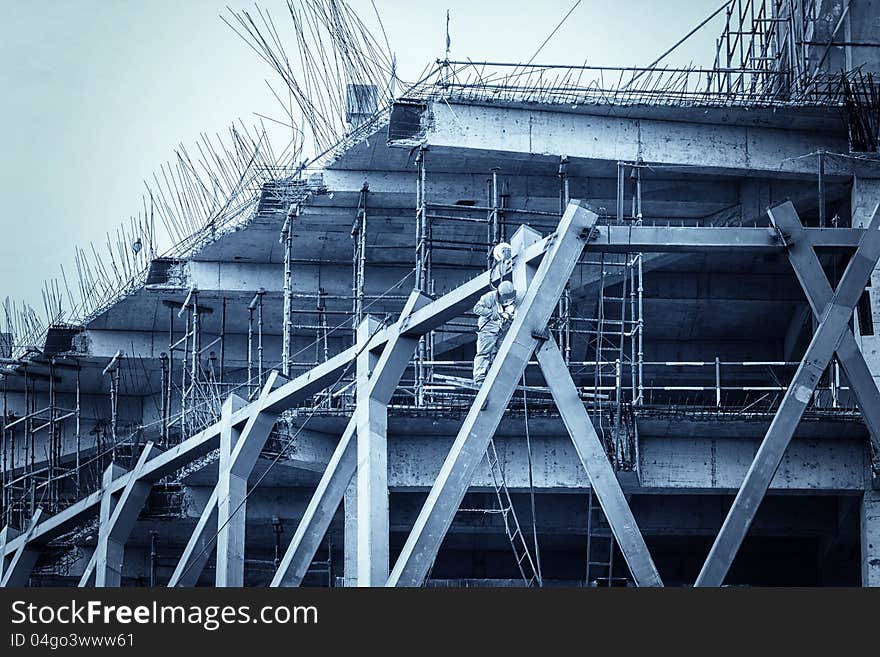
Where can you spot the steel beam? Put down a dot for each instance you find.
(331, 488)
(834, 320)
(17, 567)
(818, 290)
(592, 454)
(118, 517)
(6, 535)
(199, 547)
(710, 239)
(371, 422)
(493, 396)
(523, 271)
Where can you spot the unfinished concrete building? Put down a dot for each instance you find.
(687, 395)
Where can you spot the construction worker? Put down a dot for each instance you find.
(495, 311)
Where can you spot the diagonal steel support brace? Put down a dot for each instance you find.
(6, 534)
(595, 461)
(17, 568)
(341, 468)
(118, 517)
(224, 513)
(833, 322)
(492, 399)
(818, 290)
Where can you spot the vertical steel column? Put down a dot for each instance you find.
(118, 515)
(231, 493)
(108, 552)
(372, 474)
(343, 462)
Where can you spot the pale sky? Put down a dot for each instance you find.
(96, 94)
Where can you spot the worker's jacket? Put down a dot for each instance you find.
(488, 310)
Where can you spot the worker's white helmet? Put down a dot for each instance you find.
(502, 252)
(506, 292)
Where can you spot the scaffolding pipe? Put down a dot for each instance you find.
(286, 239)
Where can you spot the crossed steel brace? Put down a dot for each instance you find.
(382, 355)
(833, 311)
(543, 286)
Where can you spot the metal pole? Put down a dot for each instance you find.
(184, 390)
(223, 340)
(154, 557)
(717, 382)
(620, 192)
(195, 364)
(78, 429)
(495, 237)
(287, 241)
(821, 188)
(5, 472)
(563, 183)
(260, 293)
(170, 367)
(114, 401)
(53, 447)
(421, 274)
(250, 351)
(835, 384)
(632, 330)
(163, 360)
(641, 326)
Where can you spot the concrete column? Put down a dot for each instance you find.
(865, 196)
(231, 496)
(870, 535)
(350, 530)
(372, 472)
(108, 569)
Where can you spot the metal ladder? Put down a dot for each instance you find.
(524, 561)
(610, 355)
(600, 539)
(323, 567)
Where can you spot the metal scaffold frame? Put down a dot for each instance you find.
(383, 352)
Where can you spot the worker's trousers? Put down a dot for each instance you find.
(488, 342)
